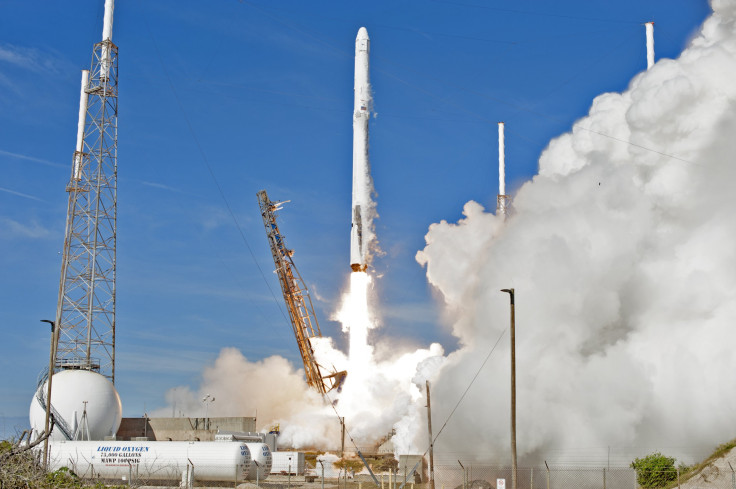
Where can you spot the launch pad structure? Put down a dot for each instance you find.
(85, 314)
(298, 302)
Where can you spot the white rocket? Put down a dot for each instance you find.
(361, 232)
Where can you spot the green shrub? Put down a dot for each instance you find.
(63, 478)
(654, 470)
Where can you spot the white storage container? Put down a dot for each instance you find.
(288, 463)
(154, 460)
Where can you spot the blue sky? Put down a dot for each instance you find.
(260, 93)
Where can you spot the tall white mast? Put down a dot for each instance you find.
(650, 44)
(106, 37)
(79, 148)
(502, 201)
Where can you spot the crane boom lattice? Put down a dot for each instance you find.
(298, 301)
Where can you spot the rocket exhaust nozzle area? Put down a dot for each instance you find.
(357, 267)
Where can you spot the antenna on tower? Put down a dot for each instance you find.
(85, 311)
(503, 201)
(650, 44)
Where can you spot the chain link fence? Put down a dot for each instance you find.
(490, 477)
(446, 476)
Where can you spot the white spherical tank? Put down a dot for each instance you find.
(153, 460)
(261, 455)
(73, 392)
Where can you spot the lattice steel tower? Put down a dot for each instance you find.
(85, 313)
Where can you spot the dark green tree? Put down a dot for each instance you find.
(654, 470)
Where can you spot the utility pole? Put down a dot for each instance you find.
(52, 362)
(513, 389)
(342, 446)
(431, 441)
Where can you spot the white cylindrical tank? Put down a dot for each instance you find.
(72, 393)
(153, 460)
(261, 455)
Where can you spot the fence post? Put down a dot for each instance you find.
(545, 464)
(531, 481)
(604, 478)
(678, 477)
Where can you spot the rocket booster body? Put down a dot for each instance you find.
(361, 232)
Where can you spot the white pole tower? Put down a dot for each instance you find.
(503, 200)
(85, 313)
(650, 44)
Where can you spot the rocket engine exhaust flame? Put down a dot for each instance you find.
(630, 293)
(378, 396)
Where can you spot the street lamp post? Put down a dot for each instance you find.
(52, 362)
(510, 292)
(207, 400)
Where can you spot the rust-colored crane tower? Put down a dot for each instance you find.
(298, 302)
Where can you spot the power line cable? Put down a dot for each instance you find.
(449, 416)
(205, 160)
(444, 425)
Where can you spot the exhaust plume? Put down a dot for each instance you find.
(623, 262)
(621, 252)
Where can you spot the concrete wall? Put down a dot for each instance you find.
(182, 429)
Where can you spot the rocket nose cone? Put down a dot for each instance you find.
(362, 34)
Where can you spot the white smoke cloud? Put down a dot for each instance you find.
(375, 396)
(270, 388)
(623, 260)
(621, 251)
